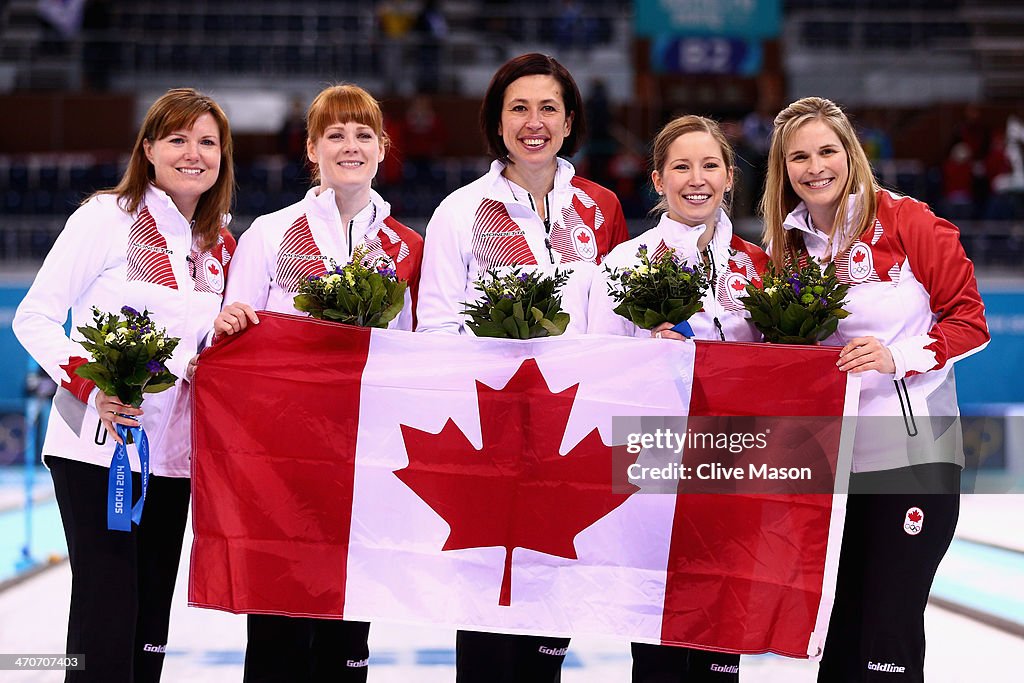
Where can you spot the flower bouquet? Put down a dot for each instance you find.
(803, 304)
(128, 356)
(361, 293)
(518, 305)
(659, 291)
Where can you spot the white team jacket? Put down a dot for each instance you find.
(108, 258)
(737, 262)
(490, 223)
(279, 249)
(913, 288)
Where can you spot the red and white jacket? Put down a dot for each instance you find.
(107, 258)
(491, 223)
(913, 288)
(282, 248)
(736, 264)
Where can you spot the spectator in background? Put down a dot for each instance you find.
(998, 172)
(431, 30)
(958, 183)
(974, 132)
(291, 139)
(425, 138)
(395, 19)
(601, 144)
(874, 139)
(573, 28)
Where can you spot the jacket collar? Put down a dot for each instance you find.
(366, 222)
(683, 238)
(499, 188)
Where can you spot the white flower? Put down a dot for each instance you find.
(770, 291)
(642, 269)
(110, 338)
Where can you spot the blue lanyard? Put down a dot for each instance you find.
(120, 513)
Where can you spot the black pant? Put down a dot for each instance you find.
(121, 582)
(668, 664)
(507, 658)
(885, 572)
(299, 650)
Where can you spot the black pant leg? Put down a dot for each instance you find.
(712, 667)
(102, 617)
(277, 650)
(539, 658)
(659, 663)
(669, 664)
(339, 650)
(842, 643)
(896, 571)
(482, 657)
(159, 552)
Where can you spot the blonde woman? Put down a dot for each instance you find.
(914, 311)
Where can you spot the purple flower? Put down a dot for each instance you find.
(524, 278)
(642, 249)
(128, 310)
(386, 272)
(796, 288)
(822, 300)
(626, 274)
(312, 278)
(687, 269)
(154, 366)
(507, 296)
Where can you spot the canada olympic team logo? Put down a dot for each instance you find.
(214, 272)
(585, 242)
(861, 262)
(735, 287)
(913, 522)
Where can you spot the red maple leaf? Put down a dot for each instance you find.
(587, 215)
(517, 491)
(738, 285)
(213, 269)
(583, 237)
(914, 516)
(859, 256)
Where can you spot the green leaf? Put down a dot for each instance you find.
(157, 387)
(510, 327)
(793, 317)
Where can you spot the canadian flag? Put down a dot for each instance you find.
(477, 483)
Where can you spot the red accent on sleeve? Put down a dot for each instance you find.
(614, 230)
(940, 264)
(229, 247)
(409, 268)
(78, 386)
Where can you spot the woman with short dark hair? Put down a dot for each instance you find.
(530, 211)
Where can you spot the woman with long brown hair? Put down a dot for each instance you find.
(156, 242)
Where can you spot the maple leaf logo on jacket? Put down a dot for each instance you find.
(517, 491)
